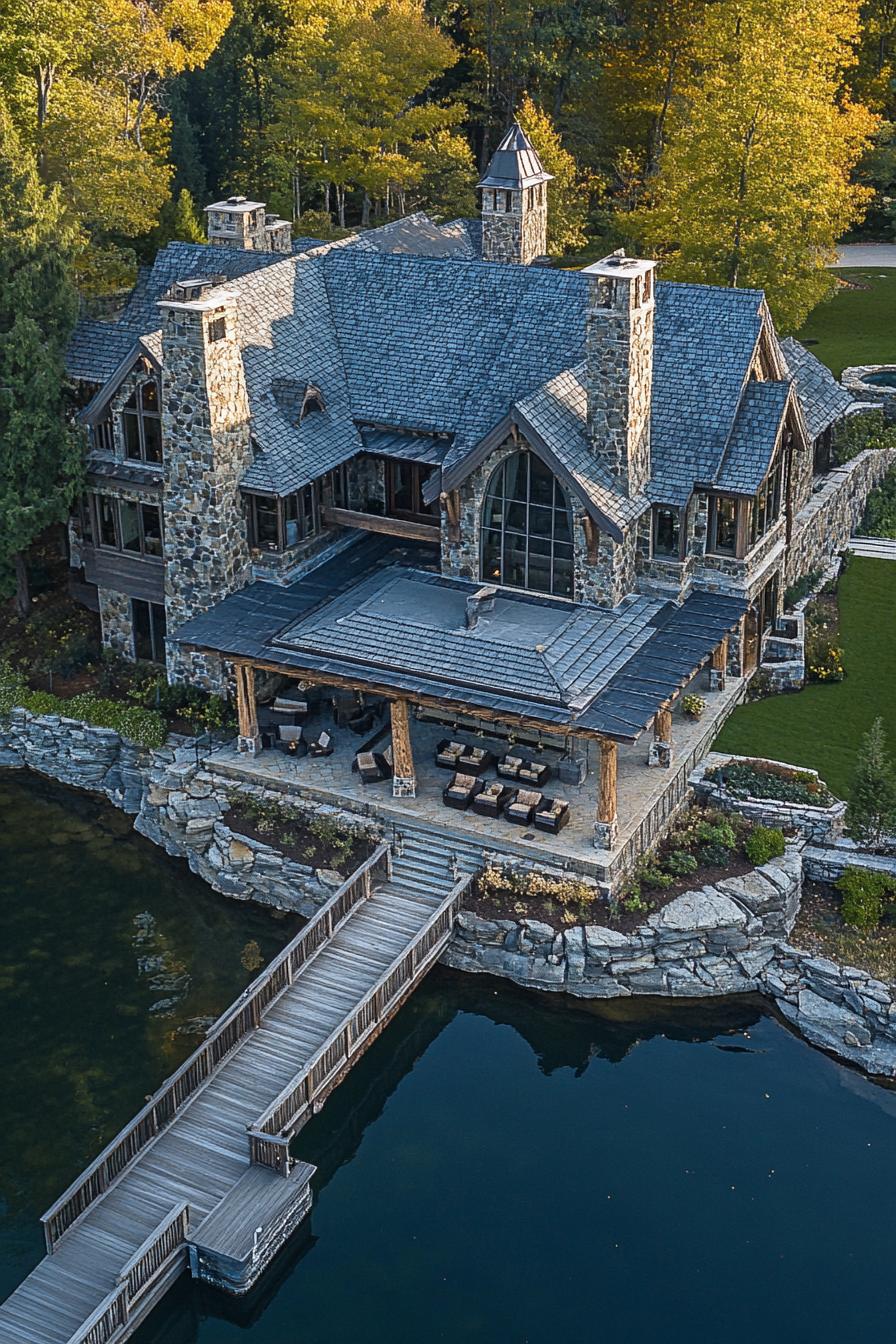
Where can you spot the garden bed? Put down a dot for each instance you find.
(704, 847)
(756, 778)
(309, 838)
(820, 929)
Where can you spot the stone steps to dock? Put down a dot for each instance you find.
(197, 1184)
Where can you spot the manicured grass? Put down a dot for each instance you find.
(821, 726)
(856, 326)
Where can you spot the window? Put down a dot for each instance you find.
(148, 624)
(404, 491)
(277, 524)
(527, 528)
(508, 202)
(124, 525)
(766, 508)
(217, 329)
(334, 487)
(142, 424)
(102, 436)
(666, 527)
(723, 525)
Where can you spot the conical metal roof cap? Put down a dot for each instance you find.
(515, 163)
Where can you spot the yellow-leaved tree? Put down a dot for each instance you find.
(568, 192)
(754, 186)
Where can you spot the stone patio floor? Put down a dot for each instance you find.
(640, 788)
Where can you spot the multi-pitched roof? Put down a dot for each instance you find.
(569, 665)
(823, 399)
(401, 332)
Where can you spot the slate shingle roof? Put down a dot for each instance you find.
(515, 162)
(823, 399)
(452, 346)
(753, 438)
(566, 664)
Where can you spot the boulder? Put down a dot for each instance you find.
(695, 911)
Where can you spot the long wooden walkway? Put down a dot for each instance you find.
(203, 1174)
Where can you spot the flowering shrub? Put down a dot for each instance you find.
(825, 663)
(574, 900)
(693, 705)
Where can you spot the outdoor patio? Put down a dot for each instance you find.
(646, 796)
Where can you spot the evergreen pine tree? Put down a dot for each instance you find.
(40, 454)
(871, 810)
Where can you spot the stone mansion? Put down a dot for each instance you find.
(570, 467)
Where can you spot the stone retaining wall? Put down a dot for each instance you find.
(725, 939)
(834, 511)
(175, 803)
(821, 825)
(717, 940)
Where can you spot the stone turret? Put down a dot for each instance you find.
(619, 367)
(205, 417)
(237, 222)
(514, 202)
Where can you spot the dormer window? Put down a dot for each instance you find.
(313, 401)
(142, 424)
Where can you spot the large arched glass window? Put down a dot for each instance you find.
(527, 528)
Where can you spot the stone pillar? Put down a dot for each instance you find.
(249, 739)
(207, 448)
(404, 780)
(619, 367)
(719, 666)
(661, 752)
(606, 828)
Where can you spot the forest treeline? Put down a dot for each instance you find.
(735, 140)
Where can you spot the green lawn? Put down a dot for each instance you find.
(856, 326)
(821, 725)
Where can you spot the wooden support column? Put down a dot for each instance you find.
(605, 826)
(249, 738)
(719, 666)
(660, 752)
(404, 779)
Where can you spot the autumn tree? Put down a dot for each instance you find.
(351, 75)
(754, 186)
(567, 193)
(40, 455)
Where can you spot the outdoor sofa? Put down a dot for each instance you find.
(461, 791)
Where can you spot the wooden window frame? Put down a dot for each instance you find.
(670, 557)
(140, 414)
(419, 472)
(311, 507)
(738, 551)
(156, 642)
(94, 508)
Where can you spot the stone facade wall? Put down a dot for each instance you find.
(746, 576)
(207, 449)
(115, 622)
(820, 825)
(835, 510)
(517, 236)
(619, 381)
(839, 1008)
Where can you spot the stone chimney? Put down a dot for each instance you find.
(205, 423)
(619, 366)
(238, 222)
(514, 202)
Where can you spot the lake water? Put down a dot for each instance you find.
(499, 1167)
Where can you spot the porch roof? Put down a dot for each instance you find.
(568, 667)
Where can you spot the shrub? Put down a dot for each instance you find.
(879, 519)
(862, 897)
(693, 705)
(869, 429)
(649, 873)
(681, 862)
(824, 661)
(764, 843)
(715, 856)
(720, 834)
(871, 810)
(142, 726)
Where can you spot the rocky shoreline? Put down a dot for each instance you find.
(726, 939)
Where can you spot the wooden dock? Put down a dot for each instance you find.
(202, 1176)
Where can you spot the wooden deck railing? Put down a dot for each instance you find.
(234, 1024)
(145, 1266)
(268, 1136)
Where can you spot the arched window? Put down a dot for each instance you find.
(527, 528)
(142, 423)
